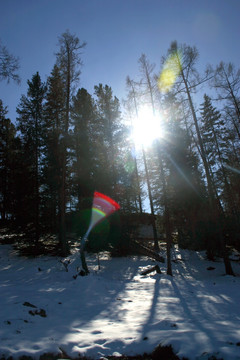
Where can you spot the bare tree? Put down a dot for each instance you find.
(132, 96)
(148, 81)
(227, 83)
(135, 104)
(9, 65)
(185, 58)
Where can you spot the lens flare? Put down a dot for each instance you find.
(102, 206)
(171, 70)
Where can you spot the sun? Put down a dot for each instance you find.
(146, 127)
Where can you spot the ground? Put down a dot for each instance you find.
(115, 310)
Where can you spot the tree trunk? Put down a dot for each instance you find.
(166, 214)
(156, 245)
(62, 230)
(37, 198)
(62, 211)
(135, 160)
(138, 186)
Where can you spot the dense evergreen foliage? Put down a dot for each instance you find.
(66, 143)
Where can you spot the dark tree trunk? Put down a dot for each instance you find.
(156, 245)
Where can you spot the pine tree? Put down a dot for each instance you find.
(7, 144)
(69, 62)
(54, 117)
(216, 142)
(110, 136)
(30, 125)
(213, 137)
(83, 119)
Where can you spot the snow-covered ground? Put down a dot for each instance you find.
(116, 310)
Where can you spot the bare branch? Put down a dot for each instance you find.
(9, 65)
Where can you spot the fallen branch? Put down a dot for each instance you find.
(153, 268)
(144, 250)
(65, 263)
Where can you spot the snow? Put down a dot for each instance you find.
(116, 310)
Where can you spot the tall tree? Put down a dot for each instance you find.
(184, 181)
(147, 85)
(149, 81)
(183, 65)
(54, 119)
(30, 125)
(216, 139)
(132, 102)
(212, 130)
(135, 96)
(108, 108)
(69, 62)
(83, 115)
(7, 140)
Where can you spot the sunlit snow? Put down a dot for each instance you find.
(116, 310)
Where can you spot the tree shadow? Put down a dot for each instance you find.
(73, 306)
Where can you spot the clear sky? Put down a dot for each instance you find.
(117, 32)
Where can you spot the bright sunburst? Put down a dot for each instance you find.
(146, 127)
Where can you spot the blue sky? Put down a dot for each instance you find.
(117, 32)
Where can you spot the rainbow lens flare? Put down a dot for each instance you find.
(102, 207)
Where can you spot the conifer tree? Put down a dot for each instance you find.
(53, 133)
(83, 115)
(216, 141)
(7, 155)
(213, 137)
(108, 109)
(69, 62)
(30, 125)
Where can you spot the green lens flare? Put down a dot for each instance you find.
(171, 69)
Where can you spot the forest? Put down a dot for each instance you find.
(66, 143)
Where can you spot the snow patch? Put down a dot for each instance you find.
(116, 310)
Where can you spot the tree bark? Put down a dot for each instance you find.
(166, 214)
(156, 245)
